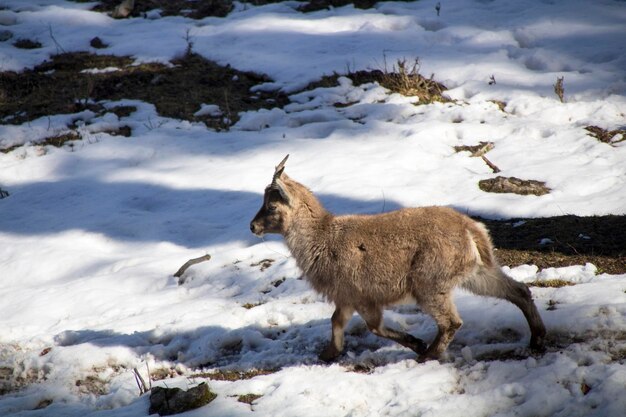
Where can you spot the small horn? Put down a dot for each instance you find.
(278, 171)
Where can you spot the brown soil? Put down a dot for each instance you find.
(600, 240)
(218, 8)
(59, 87)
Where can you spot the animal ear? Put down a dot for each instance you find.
(279, 169)
(277, 184)
(280, 187)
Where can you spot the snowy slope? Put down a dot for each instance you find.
(90, 235)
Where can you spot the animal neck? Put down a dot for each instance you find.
(308, 232)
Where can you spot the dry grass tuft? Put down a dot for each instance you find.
(551, 283)
(403, 78)
(230, 375)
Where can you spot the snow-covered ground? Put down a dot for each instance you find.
(91, 235)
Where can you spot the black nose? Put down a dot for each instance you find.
(252, 227)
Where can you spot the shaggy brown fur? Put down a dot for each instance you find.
(364, 263)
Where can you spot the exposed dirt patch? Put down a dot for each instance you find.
(513, 185)
(92, 385)
(199, 9)
(27, 44)
(229, 375)
(263, 264)
(551, 283)
(248, 306)
(71, 82)
(573, 240)
(193, 9)
(315, 5)
(248, 398)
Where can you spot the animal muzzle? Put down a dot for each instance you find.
(256, 229)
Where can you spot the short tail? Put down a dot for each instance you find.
(489, 280)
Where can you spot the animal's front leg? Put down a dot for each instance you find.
(340, 318)
(373, 316)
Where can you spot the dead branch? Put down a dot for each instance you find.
(559, 90)
(476, 150)
(490, 164)
(189, 263)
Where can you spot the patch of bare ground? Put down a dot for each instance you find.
(513, 185)
(562, 241)
(193, 9)
(230, 375)
(70, 83)
(199, 9)
(248, 398)
(403, 78)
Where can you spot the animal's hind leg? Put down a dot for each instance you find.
(340, 318)
(443, 311)
(373, 316)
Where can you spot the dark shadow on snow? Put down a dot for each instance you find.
(129, 211)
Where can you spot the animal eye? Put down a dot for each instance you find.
(271, 208)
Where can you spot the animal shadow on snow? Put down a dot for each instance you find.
(143, 212)
(275, 347)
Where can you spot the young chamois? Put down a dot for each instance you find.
(364, 263)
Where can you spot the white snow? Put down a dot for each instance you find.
(91, 234)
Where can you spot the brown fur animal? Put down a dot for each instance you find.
(364, 263)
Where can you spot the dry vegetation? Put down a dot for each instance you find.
(403, 78)
(231, 375)
(62, 86)
(200, 9)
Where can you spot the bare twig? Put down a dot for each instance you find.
(58, 45)
(189, 263)
(559, 90)
(494, 168)
(476, 150)
(189, 39)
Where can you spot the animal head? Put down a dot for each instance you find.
(274, 216)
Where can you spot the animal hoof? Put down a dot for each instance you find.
(537, 345)
(425, 358)
(416, 344)
(329, 355)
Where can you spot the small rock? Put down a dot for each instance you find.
(168, 401)
(97, 43)
(5, 35)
